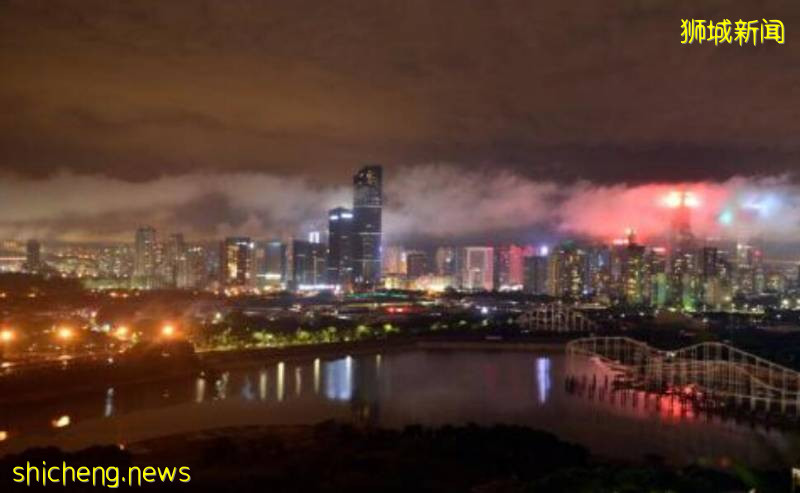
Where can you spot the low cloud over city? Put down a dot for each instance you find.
(427, 201)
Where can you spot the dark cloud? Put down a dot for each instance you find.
(591, 90)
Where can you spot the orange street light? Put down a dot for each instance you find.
(168, 330)
(65, 333)
(6, 336)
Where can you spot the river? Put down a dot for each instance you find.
(431, 387)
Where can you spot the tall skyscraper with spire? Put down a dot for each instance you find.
(367, 211)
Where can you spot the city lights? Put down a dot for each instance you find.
(61, 422)
(168, 330)
(65, 333)
(6, 335)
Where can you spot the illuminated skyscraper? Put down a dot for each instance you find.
(635, 275)
(478, 269)
(237, 261)
(272, 268)
(568, 271)
(340, 246)
(446, 261)
(508, 267)
(145, 258)
(367, 210)
(309, 261)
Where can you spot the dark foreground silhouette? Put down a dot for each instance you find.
(333, 457)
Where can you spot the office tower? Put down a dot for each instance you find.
(33, 256)
(478, 269)
(416, 264)
(446, 262)
(508, 267)
(145, 258)
(367, 209)
(272, 263)
(535, 274)
(309, 262)
(340, 246)
(237, 261)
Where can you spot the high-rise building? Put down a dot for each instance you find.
(478, 269)
(309, 262)
(568, 271)
(416, 264)
(635, 275)
(197, 268)
(535, 274)
(174, 267)
(33, 256)
(394, 261)
(367, 210)
(271, 263)
(145, 258)
(508, 267)
(446, 262)
(237, 261)
(340, 246)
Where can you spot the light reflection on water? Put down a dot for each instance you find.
(543, 379)
(432, 388)
(339, 379)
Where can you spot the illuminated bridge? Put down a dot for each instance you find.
(711, 371)
(555, 317)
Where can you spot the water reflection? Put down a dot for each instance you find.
(247, 390)
(108, 409)
(395, 390)
(221, 386)
(543, 380)
(316, 376)
(279, 377)
(262, 385)
(199, 389)
(339, 379)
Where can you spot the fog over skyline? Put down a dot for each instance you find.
(436, 202)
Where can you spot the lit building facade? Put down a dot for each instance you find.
(367, 228)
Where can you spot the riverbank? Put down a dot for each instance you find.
(332, 457)
(248, 357)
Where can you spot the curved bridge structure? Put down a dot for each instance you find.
(711, 371)
(555, 317)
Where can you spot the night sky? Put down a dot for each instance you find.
(234, 116)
